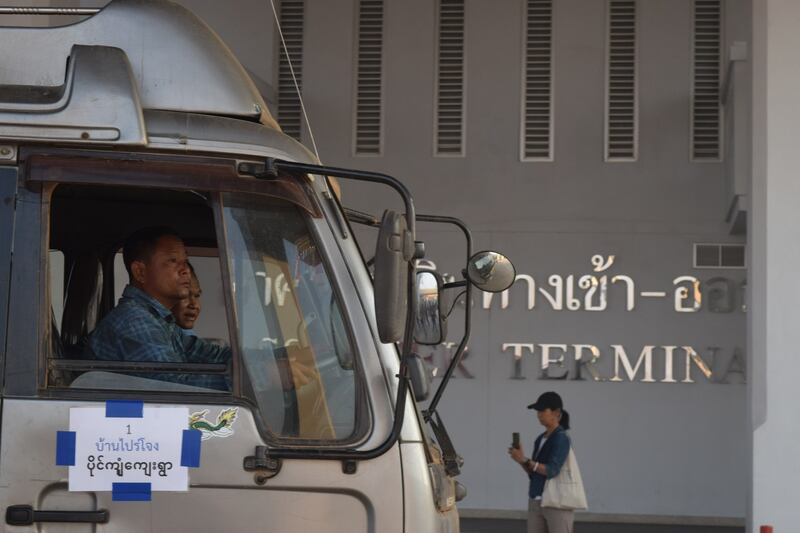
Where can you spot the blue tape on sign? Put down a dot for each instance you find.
(130, 492)
(124, 409)
(65, 448)
(190, 448)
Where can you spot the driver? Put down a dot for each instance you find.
(142, 327)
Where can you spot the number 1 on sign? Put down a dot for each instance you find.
(129, 429)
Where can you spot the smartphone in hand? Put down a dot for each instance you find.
(515, 440)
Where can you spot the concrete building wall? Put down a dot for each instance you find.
(645, 448)
(772, 331)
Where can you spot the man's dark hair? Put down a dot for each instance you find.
(140, 244)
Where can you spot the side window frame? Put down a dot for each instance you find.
(33, 329)
(46, 323)
(9, 176)
(27, 333)
(221, 397)
(31, 284)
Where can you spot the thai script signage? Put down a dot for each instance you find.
(128, 449)
(603, 291)
(591, 292)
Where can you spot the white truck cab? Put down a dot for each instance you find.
(139, 116)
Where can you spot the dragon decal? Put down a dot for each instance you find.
(223, 427)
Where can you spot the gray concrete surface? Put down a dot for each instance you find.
(479, 525)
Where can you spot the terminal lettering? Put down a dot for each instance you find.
(653, 364)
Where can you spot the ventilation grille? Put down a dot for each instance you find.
(450, 79)
(537, 126)
(289, 109)
(621, 94)
(369, 108)
(719, 256)
(706, 113)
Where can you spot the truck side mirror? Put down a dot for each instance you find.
(393, 251)
(491, 271)
(420, 377)
(429, 328)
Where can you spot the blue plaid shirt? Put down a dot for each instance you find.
(140, 328)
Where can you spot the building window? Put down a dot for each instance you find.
(450, 68)
(290, 68)
(621, 120)
(536, 139)
(369, 79)
(706, 123)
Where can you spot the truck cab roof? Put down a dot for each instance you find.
(138, 73)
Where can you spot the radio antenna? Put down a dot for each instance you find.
(294, 79)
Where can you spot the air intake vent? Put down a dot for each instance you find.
(537, 120)
(719, 256)
(290, 112)
(707, 62)
(369, 82)
(621, 89)
(449, 135)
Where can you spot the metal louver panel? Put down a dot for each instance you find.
(728, 255)
(707, 64)
(449, 134)
(621, 83)
(290, 111)
(369, 81)
(537, 120)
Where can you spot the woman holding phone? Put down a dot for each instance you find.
(550, 451)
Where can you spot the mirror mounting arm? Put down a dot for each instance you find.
(454, 284)
(454, 362)
(292, 167)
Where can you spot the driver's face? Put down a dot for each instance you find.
(166, 275)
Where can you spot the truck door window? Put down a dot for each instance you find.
(89, 224)
(292, 334)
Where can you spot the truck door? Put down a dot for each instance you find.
(272, 292)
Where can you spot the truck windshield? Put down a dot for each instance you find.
(294, 343)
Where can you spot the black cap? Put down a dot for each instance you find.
(548, 400)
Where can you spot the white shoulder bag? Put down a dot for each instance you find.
(565, 491)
